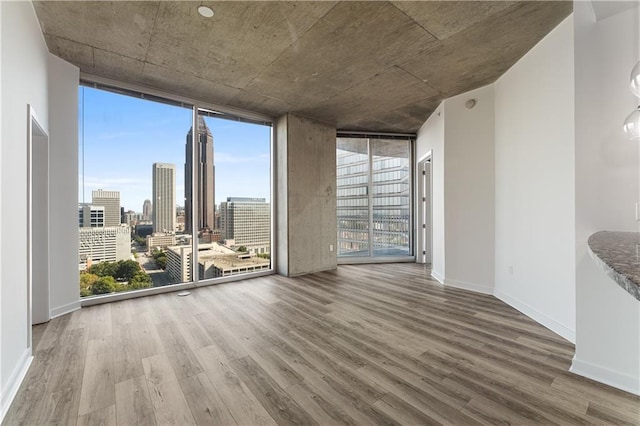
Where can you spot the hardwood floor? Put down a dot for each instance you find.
(369, 344)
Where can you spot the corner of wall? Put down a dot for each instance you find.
(12, 386)
(63, 81)
(605, 375)
(282, 188)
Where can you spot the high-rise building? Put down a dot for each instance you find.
(147, 209)
(205, 176)
(110, 200)
(247, 221)
(90, 216)
(164, 197)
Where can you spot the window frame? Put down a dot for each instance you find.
(372, 258)
(225, 112)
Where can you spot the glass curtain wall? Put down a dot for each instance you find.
(374, 197)
(233, 221)
(149, 193)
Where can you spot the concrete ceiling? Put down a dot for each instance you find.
(374, 66)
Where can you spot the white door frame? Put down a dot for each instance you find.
(425, 209)
(37, 222)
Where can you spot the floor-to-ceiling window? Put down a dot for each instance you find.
(158, 206)
(374, 198)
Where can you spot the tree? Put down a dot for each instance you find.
(127, 269)
(160, 258)
(104, 285)
(161, 261)
(86, 281)
(140, 280)
(242, 249)
(142, 241)
(104, 269)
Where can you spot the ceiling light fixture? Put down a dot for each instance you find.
(205, 11)
(631, 125)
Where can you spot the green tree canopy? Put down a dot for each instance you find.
(86, 281)
(104, 269)
(242, 249)
(140, 280)
(127, 269)
(104, 285)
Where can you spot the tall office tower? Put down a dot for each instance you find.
(247, 221)
(205, 176)
(110, 200)
(147, 208)
(164, 197)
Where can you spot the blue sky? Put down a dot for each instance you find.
(124, 136)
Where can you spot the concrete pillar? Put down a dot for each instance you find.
(306, 193)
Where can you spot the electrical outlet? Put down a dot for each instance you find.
(511, 270)
(330, 247)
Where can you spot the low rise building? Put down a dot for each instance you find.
(160, 241)
(214, 260)
(104, 244)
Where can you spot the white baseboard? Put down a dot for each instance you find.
(64, 309)
(538, 316)
(478, 288)
(438, 277)
(11, 389)
(605, 375)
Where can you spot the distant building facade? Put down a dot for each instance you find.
(214, 260)
(143, 229)
(110, 200)
(147, 210)
(247, 221)
(205, 176)
(90, 216)
(160, 241)
(225, 266)
(164, 197)
(104, 244)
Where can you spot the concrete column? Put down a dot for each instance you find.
(306, 186)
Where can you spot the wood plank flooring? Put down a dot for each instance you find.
(367, 344)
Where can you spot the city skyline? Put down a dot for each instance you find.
(124, 136)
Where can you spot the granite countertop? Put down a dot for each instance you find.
(618, 253)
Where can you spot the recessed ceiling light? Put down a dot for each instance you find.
(205, 11)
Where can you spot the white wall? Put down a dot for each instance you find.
(24, 81)
(469, 191)
(2, 409)
(534, 175)
(461, 142)
(63, 175)
(431, 138)
(607, 187)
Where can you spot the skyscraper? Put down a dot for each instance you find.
(247, 221)
(205, 177)
(110, 200)
(164, 197)
(147, 208)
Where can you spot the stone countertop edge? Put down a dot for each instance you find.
(616, 254)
